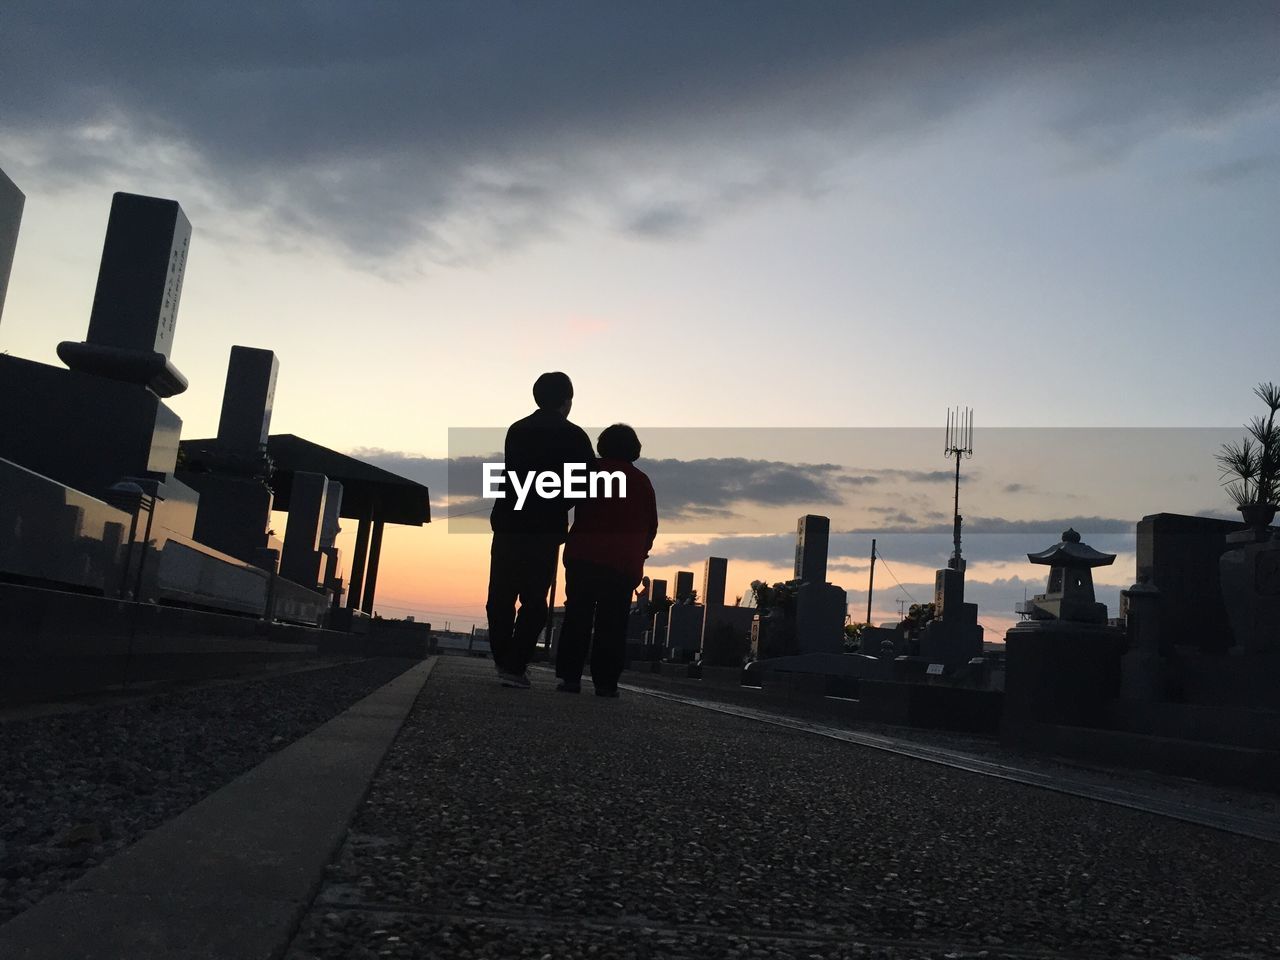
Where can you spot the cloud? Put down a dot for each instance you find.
(688, 490)
(870, 477)
(454, 483)
(456, 131)
(986, 539)
(707, 488)
(1259, 166)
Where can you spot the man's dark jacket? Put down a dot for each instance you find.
(544, 440)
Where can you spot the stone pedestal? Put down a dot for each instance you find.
(726, 635)
(1062, 672)
(1250, 576)
(684, 631)
(953, 639)
(83, 431)
(1143, 670)
(1178, 555)
(234, 513)
(820, 613)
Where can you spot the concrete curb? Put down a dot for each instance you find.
(231, 877)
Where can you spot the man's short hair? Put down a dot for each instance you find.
(551, 390)
(618, 442)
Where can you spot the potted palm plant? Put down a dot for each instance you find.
(1251, 468)
(1249, 569)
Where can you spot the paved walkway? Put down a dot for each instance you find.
(511, 824)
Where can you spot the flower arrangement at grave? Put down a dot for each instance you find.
(853, 636)
(1251, 468)
(777, 606)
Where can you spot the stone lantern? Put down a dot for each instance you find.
(1070, 594)
(1063, 664)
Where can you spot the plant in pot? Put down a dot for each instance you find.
(1249, 570)
(1251, 468)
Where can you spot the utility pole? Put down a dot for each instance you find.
(960, 446)
(871, 580)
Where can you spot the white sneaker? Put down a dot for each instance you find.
(518, 680)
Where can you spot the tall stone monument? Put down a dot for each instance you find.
(820, 607)
(301, 559)
(684, 586)
(714, 572)
(135, 304)
(103, 420)
(233, 474)
(658, 606)
(726, 630)
(812, 533)
(954, 635)
(11, 204)
(330, 527)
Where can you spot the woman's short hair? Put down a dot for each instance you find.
(551, 390)
(618, 442)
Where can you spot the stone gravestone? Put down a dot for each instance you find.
(812, 533)
(684, 586)
(135, 304)
(726, 631)
(232, 475)
(330, 527)
(11, 204)
(714, 573)
(821, 611)
(820, 607)
(301, 559)
(102, 421)
(1179, 556)
(954, 635)
(248, 399)
(658, 628)
(684, 631)
(1142, 669)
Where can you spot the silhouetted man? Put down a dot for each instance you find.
(526, 541)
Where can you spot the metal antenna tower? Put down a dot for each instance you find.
(960, 446)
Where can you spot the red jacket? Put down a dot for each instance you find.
(616, 532)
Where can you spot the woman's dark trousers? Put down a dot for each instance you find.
(597, 601)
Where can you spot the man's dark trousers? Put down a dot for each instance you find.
(521, 566)
(597, 601)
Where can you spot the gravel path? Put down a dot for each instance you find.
(1185, 790)
(77, 787)
(533, 824)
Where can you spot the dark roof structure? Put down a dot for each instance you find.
(1072, 553)
(368, 492)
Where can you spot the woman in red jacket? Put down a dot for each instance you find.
(603, 561)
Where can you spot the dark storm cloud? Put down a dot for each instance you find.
(709, 488)
(454, 484)
(705, 489)
(462, 128)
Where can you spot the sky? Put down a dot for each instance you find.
(745, 219)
